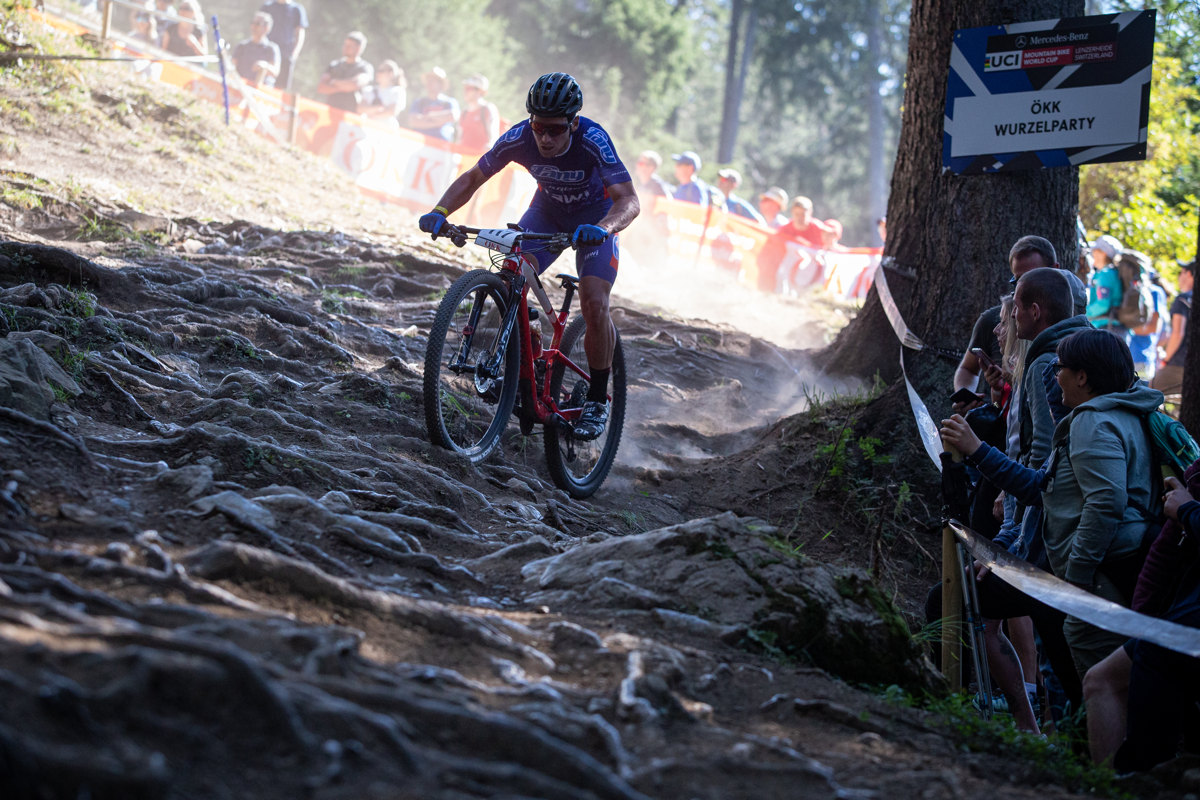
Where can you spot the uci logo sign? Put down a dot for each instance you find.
(994, 62)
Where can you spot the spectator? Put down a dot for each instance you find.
(1104, 291)
(1162, 684)
(343, 81)
(727, 181)
(802, 229)
(186, 37)
(1029, 252)
(833, 239)
(691, 189)
(1042, 313)
(881, 227)
(771, 204)
(1169, 377)
(385, 99)
(157, 11)
(145, 31)
(1143, 340)
(1166, 587)
(480, 121)
(647, 181)
(647, 236)
(257, 58)
(805, 228)
(287, 31)
(1097, 481)
(435, 113)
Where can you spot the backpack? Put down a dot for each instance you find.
(1137, 303)
(1171, 446)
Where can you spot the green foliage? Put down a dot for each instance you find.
(1153, 205)
(1050, 759)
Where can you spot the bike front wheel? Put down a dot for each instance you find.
(579, 467)
(469, 385)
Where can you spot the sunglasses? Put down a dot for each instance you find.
(1059, 367)
(549, 129)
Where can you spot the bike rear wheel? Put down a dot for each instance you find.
(469, 393)
(579, 467)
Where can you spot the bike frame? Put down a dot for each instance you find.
(513, 271)
(544, 409)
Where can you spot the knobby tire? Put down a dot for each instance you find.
(578, 467)
(466, 412)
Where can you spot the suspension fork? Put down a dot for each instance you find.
(516, 296)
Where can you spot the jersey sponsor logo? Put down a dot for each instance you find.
(513, 134)
(546, 172)
(600, 140)
(568, 199)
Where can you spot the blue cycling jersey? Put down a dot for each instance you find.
(572, 182)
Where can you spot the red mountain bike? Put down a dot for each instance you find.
(485, 361)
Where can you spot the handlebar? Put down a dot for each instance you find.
(459, 233)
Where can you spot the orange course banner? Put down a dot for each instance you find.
(404, 167)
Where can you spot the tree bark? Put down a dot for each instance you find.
(732, 98)
(949, 235)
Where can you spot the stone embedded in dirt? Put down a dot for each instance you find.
(29, 377)
(725, 570)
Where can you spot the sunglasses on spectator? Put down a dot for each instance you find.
(1059, 367)
(550, 129)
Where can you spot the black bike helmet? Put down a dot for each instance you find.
(555, 94)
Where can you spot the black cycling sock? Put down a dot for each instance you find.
(598, 391)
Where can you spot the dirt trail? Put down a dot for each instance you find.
(232, 566)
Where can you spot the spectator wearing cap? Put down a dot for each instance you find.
(386, 97)
(479, 125)
(343, 81)
(647, 181)
(1169, 378)
(691, 188)
(771, 204)
(728, 180)
(257, 58)
(1105, 289)
(435, 113)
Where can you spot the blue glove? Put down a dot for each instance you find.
(433, 222)
(588, 236)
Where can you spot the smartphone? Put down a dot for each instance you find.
(983, 357)
(964, 396)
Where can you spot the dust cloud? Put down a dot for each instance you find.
(760, 347)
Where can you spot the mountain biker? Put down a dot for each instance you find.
(584, 190)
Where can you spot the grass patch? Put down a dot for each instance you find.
(1047, 760)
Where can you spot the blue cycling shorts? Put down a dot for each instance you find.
(598, 261)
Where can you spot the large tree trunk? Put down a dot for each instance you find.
(949, 235)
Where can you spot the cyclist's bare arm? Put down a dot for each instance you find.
(625, 207)
(462, 189)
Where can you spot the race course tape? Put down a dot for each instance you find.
(926, 427)
(1043, 586)
(906, 337)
